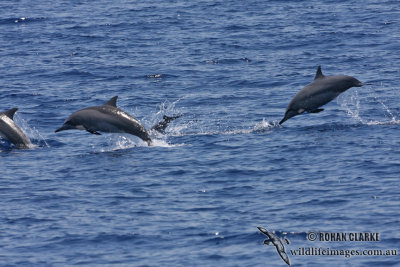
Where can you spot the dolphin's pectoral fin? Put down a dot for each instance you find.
(93, 132)
(316, 110)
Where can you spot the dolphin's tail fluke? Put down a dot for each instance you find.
(162, 125)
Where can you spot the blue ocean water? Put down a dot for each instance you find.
(225, 167)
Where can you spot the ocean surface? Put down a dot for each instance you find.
(197, 196)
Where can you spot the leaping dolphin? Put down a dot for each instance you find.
(110, 119)
(10, 131)
(316, 94)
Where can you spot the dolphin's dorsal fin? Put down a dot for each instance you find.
(319, 73)
(112, 102)
(10, 113)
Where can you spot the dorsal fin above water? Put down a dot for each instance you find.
(10, 113)
(319, 73)
(112, 102)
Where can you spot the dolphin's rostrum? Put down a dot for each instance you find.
(110, 119)
(316, 94)
(10, 131)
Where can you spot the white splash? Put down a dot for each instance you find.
(30, 131)
(264, 125)
(167, 108)
(163, 143)
(121, 142)
(353, 107)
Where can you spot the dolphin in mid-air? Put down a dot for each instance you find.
(316, 94)
(110, 119)
(10, 131)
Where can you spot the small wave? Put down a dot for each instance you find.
(228, 60)
(20, 20)
(155, 76)
(79, 73)
(160, 76)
